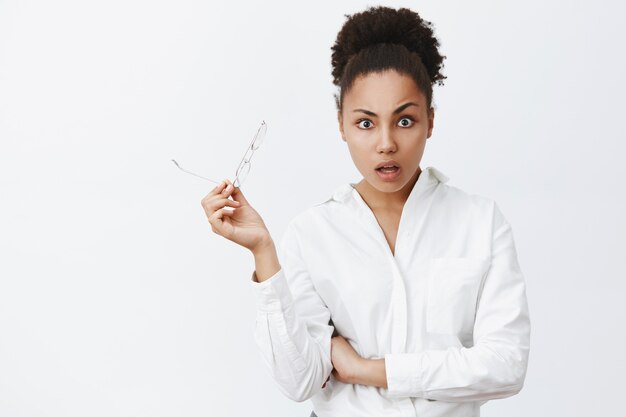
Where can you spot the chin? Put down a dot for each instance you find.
(388, 186)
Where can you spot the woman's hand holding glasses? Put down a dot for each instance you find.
(242, 225)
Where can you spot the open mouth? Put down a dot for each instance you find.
(390, 173)
(392, 168)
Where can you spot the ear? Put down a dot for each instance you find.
(340, 120)
(431, 122)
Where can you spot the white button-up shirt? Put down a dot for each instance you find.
(447, 312)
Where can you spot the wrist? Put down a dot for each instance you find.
(264, 246)
(361, 371)
(266, 263)
(372, 372)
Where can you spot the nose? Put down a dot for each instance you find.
(386, 142)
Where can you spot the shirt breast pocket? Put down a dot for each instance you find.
(453, 287)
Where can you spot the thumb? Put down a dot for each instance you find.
(237, 195)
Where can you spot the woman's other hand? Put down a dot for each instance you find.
(346, 361)
(242, 225)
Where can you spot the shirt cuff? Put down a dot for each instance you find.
(404, 377)
(273, 294)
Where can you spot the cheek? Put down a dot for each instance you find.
(358, 153)
(415, 140)
(361, 156)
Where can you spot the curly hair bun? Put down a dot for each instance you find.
(381, 24)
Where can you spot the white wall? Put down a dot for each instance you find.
(116, 299)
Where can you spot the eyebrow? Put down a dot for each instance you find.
(396, 111)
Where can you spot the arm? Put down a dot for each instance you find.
(266, 262)
(372, 372)
(292, 324)
(495, 367)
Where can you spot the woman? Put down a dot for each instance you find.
(399, 295)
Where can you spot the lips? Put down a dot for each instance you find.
(388, 163)
(388, 174)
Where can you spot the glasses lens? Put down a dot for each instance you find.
(242, 173)
(260, 134)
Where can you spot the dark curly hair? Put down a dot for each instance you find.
(382, 38)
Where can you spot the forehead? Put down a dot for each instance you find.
(383, 90)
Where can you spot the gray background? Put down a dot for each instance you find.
(116, 299)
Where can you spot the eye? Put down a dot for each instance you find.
(366, 121)
(407, 118)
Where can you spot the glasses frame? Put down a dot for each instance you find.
(245, 161)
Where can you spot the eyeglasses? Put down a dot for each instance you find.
(244, 166)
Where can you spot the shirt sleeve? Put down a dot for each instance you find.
(293, 328)
(495, 366)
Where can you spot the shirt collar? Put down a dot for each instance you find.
(429, 176)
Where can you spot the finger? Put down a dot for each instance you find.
(237, 195)
(217, 219)
(227, 213)
(211, 205)
(214, 201)
(215, 191)
(220, 187)
(228, 189)
(211, 209)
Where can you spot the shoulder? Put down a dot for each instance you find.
(315, 223)
(454, 195)
(312, 218)
(474, 205)
(477, 208)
